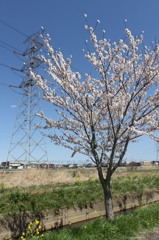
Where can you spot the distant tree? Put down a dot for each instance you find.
(100, 116)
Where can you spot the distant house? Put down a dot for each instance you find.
(145, 163)
(4, 165)
(155, 162)
(133, 165)
(70, 166)
(16, 165)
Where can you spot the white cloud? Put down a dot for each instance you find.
(13, 106)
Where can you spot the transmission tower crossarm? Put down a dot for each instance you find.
(19, 70)
(21, 54)
(14, 86)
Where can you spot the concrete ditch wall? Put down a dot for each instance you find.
(51, 219)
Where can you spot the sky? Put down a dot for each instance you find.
(64, 22)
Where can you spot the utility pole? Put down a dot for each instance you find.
(27, 143)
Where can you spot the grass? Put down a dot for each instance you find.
(134, 184)
(123, 227)
(38, 177)
(44, 190)
(38, 198)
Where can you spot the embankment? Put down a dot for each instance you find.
(17, 223)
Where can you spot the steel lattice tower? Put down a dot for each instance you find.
(27, 143)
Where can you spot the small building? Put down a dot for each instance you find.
(4, 165)
(16, 165)
(145, 163)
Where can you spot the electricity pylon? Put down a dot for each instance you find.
(27, 143)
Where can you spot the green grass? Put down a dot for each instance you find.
(122, 227)
(39, 198)
(134, 184)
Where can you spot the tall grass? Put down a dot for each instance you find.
(37, 177)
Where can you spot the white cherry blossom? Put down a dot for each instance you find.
(100, 116)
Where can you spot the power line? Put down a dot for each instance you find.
(18, 49)
(5, 65)
(77, 70)
(6, 48)
(9, 87)
(8, 25)
(18, 57)
(11, 51)
(3, 84)
(16, 73)
(14, 90)
(10, 46)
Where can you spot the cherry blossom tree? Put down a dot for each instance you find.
(100, 116)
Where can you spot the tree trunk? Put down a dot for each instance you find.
(107, 194)
(108, 200)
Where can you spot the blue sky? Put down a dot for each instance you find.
(64, 21)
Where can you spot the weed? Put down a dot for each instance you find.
(32, 231)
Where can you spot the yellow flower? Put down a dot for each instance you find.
(39, 227)
(85, 226)
(36, 222)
